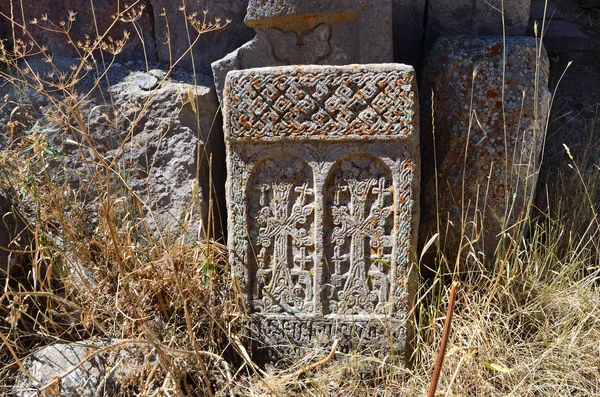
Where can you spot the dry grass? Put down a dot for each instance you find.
(529, 325)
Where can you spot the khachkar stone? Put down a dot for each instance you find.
(296, 32)
(323, 190)
(488, 139)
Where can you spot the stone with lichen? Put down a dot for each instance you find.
(489, 119)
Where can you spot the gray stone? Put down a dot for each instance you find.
(210, 46)
(541, 9)
(475, 17)
(502, 133)
(169, 149)
(100, 374)
(319, 32)
(87, 20)
(409, 16)
(564, 39)
(323, 191)
(147, 82)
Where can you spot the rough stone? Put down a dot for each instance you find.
(323, 32)
(541, 9)
(475, 17)
(211, 46)
(147, 82)
(323, 191)
(502, 132)
(99, 375)
(169, 149)
(83, 26)
(409, 16)
(563, 39)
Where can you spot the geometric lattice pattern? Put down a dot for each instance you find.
(305, 105)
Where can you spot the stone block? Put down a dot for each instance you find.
(475, 17)
(540, 10)
(564, 39)
(409, 16)
(81, 369)
(293, 32)
(323, 192)
(169, 19)
(489, 132)
(175, 128)
(83, 26)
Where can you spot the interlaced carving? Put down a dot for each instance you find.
(362, 217)
(302, 105)
(284, 247)
(322, 167)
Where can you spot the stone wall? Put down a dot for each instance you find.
(162, 33)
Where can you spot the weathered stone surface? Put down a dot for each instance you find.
(475, 17)
(169, 147)
(323, 190)
(563, 39)
(542, 9)
(500, 132)
(160, 141)
(57, 12)
(211, 46)
(323, 32)
(409, 17)
(99, 375)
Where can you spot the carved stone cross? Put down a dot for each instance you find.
(322, 202)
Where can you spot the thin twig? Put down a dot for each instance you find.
(446, 333)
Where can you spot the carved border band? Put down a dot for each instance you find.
(314, 102)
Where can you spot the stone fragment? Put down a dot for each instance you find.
(100, 374)
(498, 126)
(475, 17)
(82, 28)
(323, 192)
(292, 32)
(174, 129)
(169, 19)
(147, 82)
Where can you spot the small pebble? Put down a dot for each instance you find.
(116, 65)
(147, 82)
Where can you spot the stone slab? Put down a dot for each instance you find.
(323, 192)
(211, 46)
(563, 38)
(502, 132)
(475, 17)
(294, 32)
(100, 374)
(541, 10)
